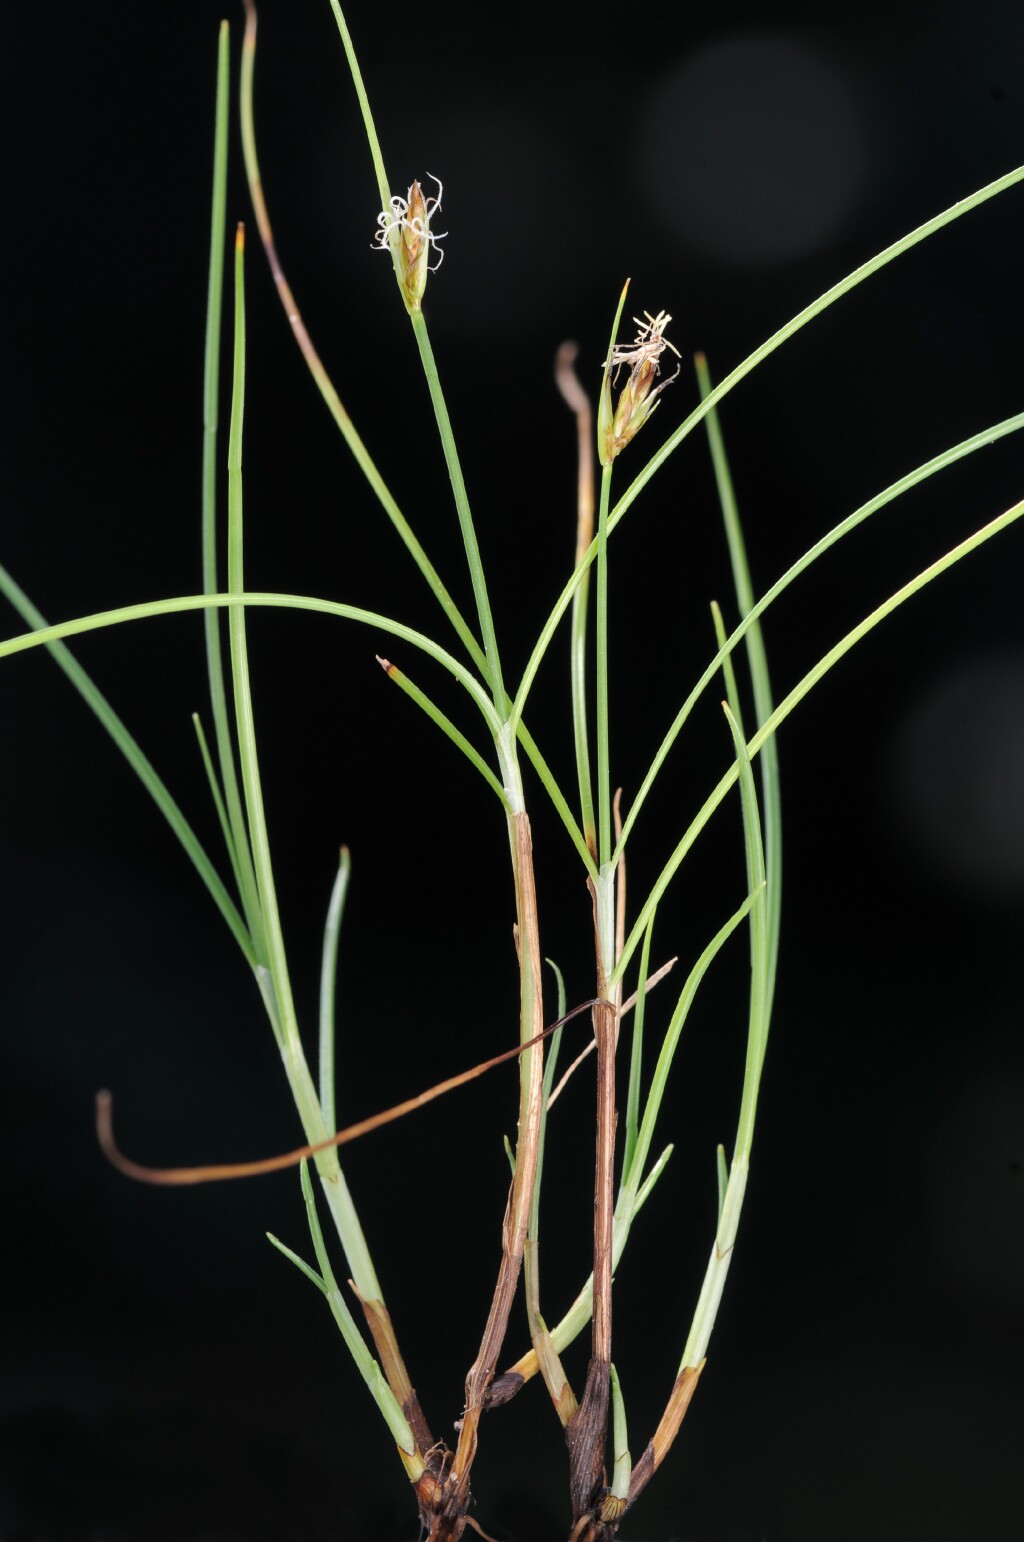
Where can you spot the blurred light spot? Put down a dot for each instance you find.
(956, 774)
(752, 150)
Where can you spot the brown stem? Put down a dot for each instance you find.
(578, 402)
(627, 1006)
(451, 1521)
(588, 1434)
(604, 1180)
(263, 225)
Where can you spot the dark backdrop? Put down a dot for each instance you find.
(165, 1374)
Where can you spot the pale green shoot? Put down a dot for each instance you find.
(328, 980)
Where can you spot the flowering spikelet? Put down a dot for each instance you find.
(638, 397)
(404, 230)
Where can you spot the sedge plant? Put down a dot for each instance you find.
(639, 997)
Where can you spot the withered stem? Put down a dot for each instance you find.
(517, 1210)
(627, 1006)
(220, 1172)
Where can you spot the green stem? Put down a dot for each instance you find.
(492, 663)
(364, 106)
(604, 795)
(578, 402)
(280, 1002)
(283, 1015)
(239, 844)
(315, 364)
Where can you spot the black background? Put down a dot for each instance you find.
(165, 1374)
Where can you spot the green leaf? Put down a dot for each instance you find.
(299, 1263)
(49, 637)
(791, 701)
(757, 662)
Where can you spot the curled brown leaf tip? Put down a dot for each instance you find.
(217, 1172)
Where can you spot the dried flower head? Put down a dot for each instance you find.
(404, 230)
(638, 397)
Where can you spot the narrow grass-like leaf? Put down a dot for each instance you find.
(670, 1043)
(434, 713)
(44, 635)
(559, 802)
(215, 793)
(636, 1054)
(888, 495)
(315, 1232)
(603, 744)
(632, 1193)
(732, 694)
(283, 1016)
(722, 1172)
(731, 1202)
(793, 699)
(605, 414)
(300, 1263)
(622, 1469)
(800, 320)
(757, 1036)
(279, 999)
(238, 844)
(369, 127)
(578, 402)
(551, 1060)
(643, 1193)
(544, 1350)
(328, 980)
(315, 364)
(491, 665)
(367, 1366)
(947, 457)
(492, 662)
(50, 637)
(578, 1315)
(757, 662)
